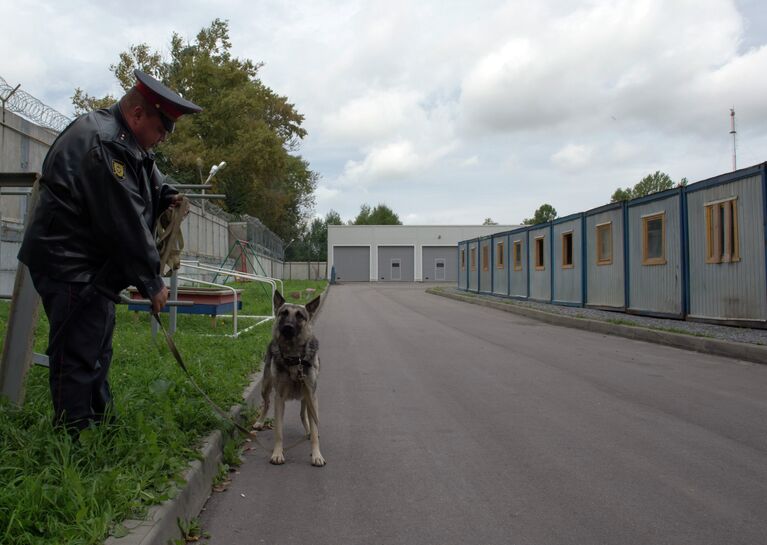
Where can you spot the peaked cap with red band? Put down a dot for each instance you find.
(170, 105)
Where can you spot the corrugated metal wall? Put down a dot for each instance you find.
(485, 266)
(500, 272)
(567, 281)
(540, 279)
(656, 288)
(728, 290)
(463, 265)
(606, 285)
(518, 277)
(473, 267)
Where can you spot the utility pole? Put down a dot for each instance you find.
(733, 132)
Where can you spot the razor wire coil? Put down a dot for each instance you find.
(25, 105)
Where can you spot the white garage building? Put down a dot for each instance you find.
(400, 253)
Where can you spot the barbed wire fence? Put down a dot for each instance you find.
(22, 103)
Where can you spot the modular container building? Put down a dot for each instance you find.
(655, 271)
(518, 264)
(726, 248)
(567, 263)
(473, 268)
(499, 258)
(485, 268)
(463, 265)
(697, 252)
(605, 273)
(539, 263)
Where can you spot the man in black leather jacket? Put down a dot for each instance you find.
(100, 196)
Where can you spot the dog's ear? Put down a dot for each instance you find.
(311, 306)
(279, 300)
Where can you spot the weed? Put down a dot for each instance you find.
(191, 531)
(232, 453)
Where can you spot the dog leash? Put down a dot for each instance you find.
(248, 433)
(223, 414)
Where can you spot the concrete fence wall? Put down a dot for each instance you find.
(305, 270)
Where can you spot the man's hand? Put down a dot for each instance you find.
(159, 299)
(177, 200)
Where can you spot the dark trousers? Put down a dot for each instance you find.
(79, 350)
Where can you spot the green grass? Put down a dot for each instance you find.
(54, 490)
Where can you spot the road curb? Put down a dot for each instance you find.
(742, 351)
(162, 522)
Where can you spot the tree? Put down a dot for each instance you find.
(380, 215)
(652, 183)
(621, 195)
(243, 122)
(318, 235)
(489, 221)
(313, 243)
(333, 218)
(545, 213)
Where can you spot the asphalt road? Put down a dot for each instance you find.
(447, 423)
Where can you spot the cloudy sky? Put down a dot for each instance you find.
(454, 111)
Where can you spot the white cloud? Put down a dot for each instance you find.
(387, 162)
(573, 157)
(379, 114)
(450, 112)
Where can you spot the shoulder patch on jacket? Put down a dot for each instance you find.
(118, 168)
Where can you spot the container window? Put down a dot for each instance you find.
(473, 257)
(654, 247)
(605, 244)
(567, 250)
(722, 244)
(540, 264)
(517, 255)
(499, 255)
(485, 257)
(463, 259)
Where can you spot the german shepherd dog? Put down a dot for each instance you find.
(291, 368)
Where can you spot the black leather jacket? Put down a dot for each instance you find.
(100, 196)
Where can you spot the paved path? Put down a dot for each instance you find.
(447, 423)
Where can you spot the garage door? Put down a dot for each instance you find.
(439, 263)
(396, 264)
(352, 263)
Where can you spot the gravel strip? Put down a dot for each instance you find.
(723, 332)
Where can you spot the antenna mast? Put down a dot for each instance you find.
(733, 132)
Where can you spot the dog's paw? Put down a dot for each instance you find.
(277, 459)
(318, 460)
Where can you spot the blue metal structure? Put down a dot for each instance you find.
(655, 254)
